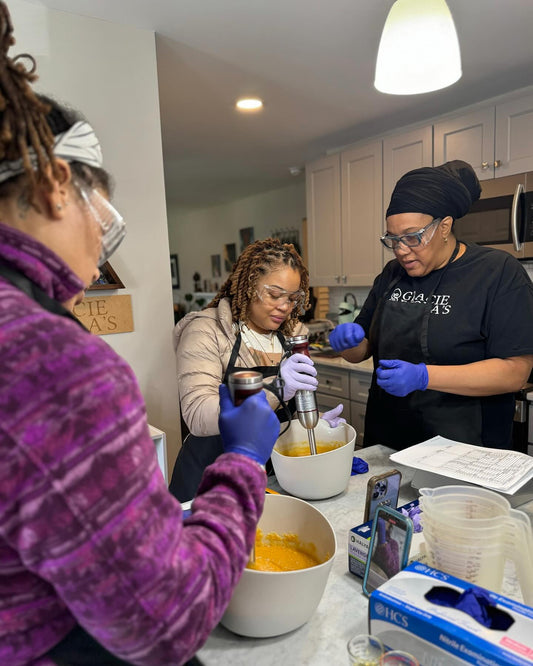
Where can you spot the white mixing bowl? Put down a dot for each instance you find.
(270, 603)
(322, 475)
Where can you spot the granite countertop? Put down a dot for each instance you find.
(366, 366)
(342, 611)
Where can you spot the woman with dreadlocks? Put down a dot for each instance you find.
(244, 326)
(97, 565)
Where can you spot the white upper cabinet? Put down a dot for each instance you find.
(361, 213)
(403, 153)
(497, 140)
(469, 137)
(514, 136)
(323, 188)
(344, 211)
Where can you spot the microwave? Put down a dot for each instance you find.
(503, 216)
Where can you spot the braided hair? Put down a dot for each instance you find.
(256, 261)
(29, 122)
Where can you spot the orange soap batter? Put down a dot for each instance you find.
(302, 448)
(275, 552)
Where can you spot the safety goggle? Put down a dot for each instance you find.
(413, 239)
(109, 219)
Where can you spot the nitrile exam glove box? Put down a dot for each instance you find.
(404, 619)
(359, 544)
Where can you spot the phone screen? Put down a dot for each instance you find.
(389, 547)
(382, 490)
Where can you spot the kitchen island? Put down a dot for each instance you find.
(342, 611)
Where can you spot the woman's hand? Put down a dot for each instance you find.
(333, 417)
(346, 336)
(298, 373)
(400, 378)
(251, 429)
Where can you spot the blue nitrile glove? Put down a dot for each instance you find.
(346, 336)
(251, 428)
(359, 466)
(333, 417)
(298, 373)
(400, 378)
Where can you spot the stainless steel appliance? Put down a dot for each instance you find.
(503, 216)
(521, 419)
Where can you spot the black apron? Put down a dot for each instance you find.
(402, 422)
(77, 648)
(197, 453)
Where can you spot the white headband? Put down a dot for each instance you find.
(77, 144)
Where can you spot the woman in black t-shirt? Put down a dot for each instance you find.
(449, 325)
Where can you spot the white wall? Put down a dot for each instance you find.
(197, 234)
(109, 72)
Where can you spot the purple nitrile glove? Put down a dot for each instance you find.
(299, 374)
(333, 417)
(250, 429)
(400, 378)
(346, 336)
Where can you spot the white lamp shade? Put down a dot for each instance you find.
(419, 49)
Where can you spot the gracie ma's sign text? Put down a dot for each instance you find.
(106, 314)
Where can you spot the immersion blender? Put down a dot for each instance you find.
(306, 406)
(241, 385)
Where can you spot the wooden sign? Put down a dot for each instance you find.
(106, 315)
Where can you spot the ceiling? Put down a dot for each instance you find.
(312, 62)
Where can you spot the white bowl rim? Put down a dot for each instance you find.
(313, 568)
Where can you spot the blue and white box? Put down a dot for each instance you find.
(359, 544)
(404, 619)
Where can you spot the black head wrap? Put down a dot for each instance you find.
(449, 189)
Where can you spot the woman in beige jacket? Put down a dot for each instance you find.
(244, 326)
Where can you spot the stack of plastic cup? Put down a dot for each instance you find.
(470, 532)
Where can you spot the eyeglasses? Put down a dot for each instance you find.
(109, 219)
(413, 239)
(277, 296)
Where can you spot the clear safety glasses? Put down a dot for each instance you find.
(276, 296)
(108, 218)
(413, 239)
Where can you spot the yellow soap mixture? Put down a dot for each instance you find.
(297, 449)
(275, 552)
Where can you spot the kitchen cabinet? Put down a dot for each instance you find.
(348, 387)
(402, 153)
(496, 140)
(344, 216)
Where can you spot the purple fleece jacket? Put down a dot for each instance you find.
(88, 530)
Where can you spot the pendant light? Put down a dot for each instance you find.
(419, 49)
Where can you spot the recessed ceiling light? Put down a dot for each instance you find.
(249, 104)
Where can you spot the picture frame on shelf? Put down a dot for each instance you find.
(108, 279)
(230, 256)
(215, 265)
(174, 271)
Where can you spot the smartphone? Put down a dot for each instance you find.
(382, 490)
(388, 552)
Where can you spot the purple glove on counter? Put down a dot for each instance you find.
(346, 336)
(400, 378)
(250, 429)
(333, 417)
(299, 374)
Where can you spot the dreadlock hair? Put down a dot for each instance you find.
(256, 261)
(29, 122)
